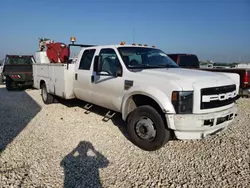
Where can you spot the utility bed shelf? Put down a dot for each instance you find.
(58, 78)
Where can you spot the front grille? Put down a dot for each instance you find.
(216, 91)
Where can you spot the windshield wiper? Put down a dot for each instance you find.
(152, 66)
(164, 66)
(138, 66)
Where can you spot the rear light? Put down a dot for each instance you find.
(246, 79)
(16, 76)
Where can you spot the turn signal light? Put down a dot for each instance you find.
(174, 96)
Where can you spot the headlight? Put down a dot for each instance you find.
(183, 102)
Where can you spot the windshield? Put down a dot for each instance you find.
(19, 60)
(188, 61)
(135, 57)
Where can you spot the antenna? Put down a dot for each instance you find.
(134, 36)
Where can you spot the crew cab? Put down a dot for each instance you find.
(154, 95)
(191, 61)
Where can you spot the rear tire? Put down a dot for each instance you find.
(9, 84)
(47, 98)
(2, 79)
(147, 129)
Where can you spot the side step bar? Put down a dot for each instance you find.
(87, 107)
(108, 116)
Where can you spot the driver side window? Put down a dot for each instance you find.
(109, 61)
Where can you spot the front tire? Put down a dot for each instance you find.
(47, 98)
(146, 128)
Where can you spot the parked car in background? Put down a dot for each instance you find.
(191, 61)
(244, 74)
(185, 60)
(17, 71)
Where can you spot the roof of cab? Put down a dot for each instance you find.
(119, 45)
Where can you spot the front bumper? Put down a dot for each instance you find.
(198, 126)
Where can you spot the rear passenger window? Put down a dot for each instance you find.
(174, 57)
(86, 59)
(189, 61)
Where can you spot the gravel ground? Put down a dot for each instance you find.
(61, 146)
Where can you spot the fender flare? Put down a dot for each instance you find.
(157, 95)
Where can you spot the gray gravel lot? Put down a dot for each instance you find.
(60, 146)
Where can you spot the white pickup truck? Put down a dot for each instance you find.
(154, 95)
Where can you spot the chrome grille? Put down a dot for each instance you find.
(217, 91)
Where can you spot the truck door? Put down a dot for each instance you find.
(82, 84)
(106, 87)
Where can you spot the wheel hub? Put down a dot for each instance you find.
(145, 128)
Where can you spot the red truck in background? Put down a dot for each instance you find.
(191, 61)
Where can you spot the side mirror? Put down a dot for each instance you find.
(118, 71)
(97, 64)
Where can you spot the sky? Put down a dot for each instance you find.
(217, 30)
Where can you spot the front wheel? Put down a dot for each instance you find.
(47, 98)
(146, 128)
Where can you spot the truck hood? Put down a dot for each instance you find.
(188, 78)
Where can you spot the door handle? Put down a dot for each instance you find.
(75, 76)
(92, 79)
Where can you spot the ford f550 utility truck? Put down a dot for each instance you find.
(154, 95)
